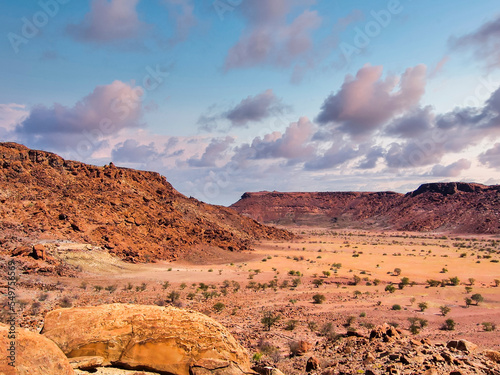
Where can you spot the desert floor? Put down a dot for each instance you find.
(353, 269)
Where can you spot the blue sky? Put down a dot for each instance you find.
(229, 96)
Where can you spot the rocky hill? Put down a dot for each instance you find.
(136, 215)
(449, 207)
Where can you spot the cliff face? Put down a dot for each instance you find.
(134, 214)
(453, 207)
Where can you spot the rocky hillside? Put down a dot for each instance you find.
(136, 215)
(450, 207)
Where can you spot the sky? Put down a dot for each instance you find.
(228, 96)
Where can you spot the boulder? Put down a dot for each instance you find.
(163, 339)
(86, 363)
(302, 347)
(312, 364)
(207, 366)
(34, 354)
(39, 252)
(493, 355)
(462, 345)
(23, 251)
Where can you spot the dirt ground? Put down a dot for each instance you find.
(350, 269)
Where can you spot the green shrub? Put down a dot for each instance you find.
(489, 326)
(423, 306)
(269, 319)
(319, 298)
(449, 325)
(219, 306)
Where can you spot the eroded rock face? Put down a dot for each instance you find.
(34, 354)
(136, 215)
(455, 207)
(163, 339)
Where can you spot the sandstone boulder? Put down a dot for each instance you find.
(463, 345)
(34, 354)
(163, 339)
(312, 364)
(493, 355)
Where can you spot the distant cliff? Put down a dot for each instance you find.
(450, 207)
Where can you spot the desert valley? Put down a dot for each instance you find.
(335, 283)
(249, 187)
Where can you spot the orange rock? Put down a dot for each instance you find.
(90, 204)
(34, 354)
(39, 252)
(165, 339)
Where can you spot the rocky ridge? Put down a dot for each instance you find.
(136, 215)
(445, 207)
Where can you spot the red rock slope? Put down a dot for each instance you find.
(136, 215)
(451, 207)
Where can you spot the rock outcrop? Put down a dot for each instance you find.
(449, 207)
(134, 214)
(388, 350)
(161, 339)
(33, 354)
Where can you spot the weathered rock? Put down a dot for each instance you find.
(302, 348)
(86, 204)
(86, 363)
(369, 358)
(22, 251)
(207, 366)
(34, 354)
(39, 252)
(312, 364)
(431, 371)
(493, 355)
(150, 337)
(458, 207)
(463, 345)
(267, 370)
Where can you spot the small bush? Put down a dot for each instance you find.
(317, 282)
(489, 326)
(477, 298)
(329, 333)
(269, 319)
(449, 325)
(390, 288)
(291, 324)
(219, 306)
(313, 326)
(111, 288)
(416, 324)
(257, 357)
(65, 302)
(423, 306)
(444, 310)
(319, 298)
(396, 307)
(174, 296)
